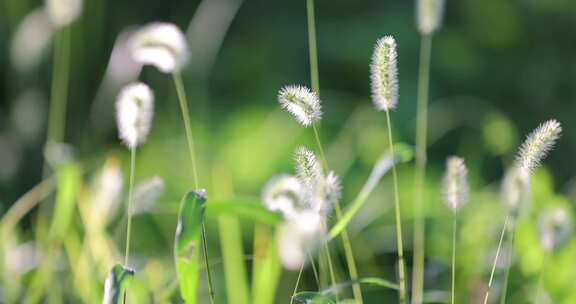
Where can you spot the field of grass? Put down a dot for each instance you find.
(230, 151)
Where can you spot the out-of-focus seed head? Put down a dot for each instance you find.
(134, 112)
(554, 227)
(162, 45)
(515, 190)
(300, 237)
(537, 145)
(106, 192)
(429, 15)
(455, 184)
(283, 193)
(146, 194)
(31, 40)
(63, 12)
(302, 103)
(384, 74)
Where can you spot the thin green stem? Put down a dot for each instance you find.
(508, 264)
(420, 174)
(541, 278)
(504, 227)
(399, 244)
(129, 209)
(454, 234)
(330, 267)
(312, 48)
(297, 283)
(319, 145)
(208, 272)
(190, 141)
(314, 270)
(187, 125)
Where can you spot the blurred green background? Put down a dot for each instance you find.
(499, 68)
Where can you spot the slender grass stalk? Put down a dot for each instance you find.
(297, 283)
(454, 226)
(59, 86)
(496, 258)
(508, 264)
(187, 125)
(399, 243)
(190, 141)
(420, 175)
(315, 83)
(129, 210)
(314, 270)
(541, 277)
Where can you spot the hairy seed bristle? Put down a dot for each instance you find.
(429, 15)
(134, 112)
(455, 183)
(308, 168)
(514, 190)
(384, 74)
(537, 145)
(302, 103)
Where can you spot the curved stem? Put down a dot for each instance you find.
(190, 142)
(129, 209)
(420, 175)
(187, 125)
(496, 258)
(399, 243)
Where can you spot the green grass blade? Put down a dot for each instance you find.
(118, 278)
(68, 177)
(251, 210)
(233, 260)
(267, 270)
(187, 243)
(325, 295)
(383, 165)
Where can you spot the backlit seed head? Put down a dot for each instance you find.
(106, 192)
(554, 226)
(63, 12)
(384, 74)
(283, 193)
(302, 103)
(455, 184)
(162, 45)
(31, 40)
(134, 111)
(515, 190)
(429, 15)
(308, 169)
(146, 194)
(537, 145)
(299, 237)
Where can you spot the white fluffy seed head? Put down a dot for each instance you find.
(515, 190)
(308, 169)
(134, 111)
(554, 226)
(537, 145)
(302, 103)
(63, 12)
(283, 193)
(299, 237)
(455, 184)
(106, 192)
(384, 74)
(162, 45)
(429, 15)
